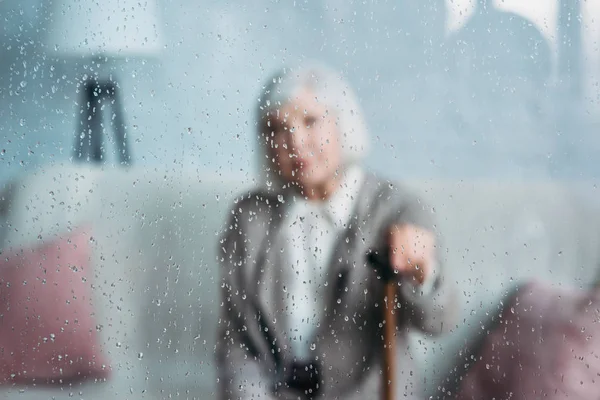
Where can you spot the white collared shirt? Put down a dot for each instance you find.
(309, 234)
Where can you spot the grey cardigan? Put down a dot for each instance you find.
(252, 349)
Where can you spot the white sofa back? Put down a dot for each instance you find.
(155, 236)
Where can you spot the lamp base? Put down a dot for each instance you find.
(97, 97)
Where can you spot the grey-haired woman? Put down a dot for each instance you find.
(301, 312)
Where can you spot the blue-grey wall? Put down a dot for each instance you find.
(475, 105)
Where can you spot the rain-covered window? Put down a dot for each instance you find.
(299, 199)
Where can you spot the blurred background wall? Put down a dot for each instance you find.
(473, 89)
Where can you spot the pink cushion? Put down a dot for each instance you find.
(546, 345)
(48, 332)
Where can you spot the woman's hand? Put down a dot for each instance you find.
(412, 252)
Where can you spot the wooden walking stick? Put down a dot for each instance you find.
(380, 262)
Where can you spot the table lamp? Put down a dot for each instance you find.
(100, 32)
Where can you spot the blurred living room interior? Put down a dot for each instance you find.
(126, 133)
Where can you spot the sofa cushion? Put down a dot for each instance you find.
(546, 345)
(48, 332)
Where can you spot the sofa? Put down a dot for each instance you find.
(154, 239)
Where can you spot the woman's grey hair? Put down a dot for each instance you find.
(330, 89)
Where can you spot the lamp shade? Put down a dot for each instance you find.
(111, 28)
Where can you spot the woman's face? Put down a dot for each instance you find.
(305, 145)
